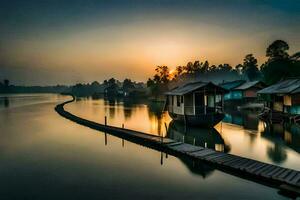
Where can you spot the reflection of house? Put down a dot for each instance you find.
(242, 90)
(283, 96)
(196, 103)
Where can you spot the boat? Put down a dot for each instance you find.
(196, 103)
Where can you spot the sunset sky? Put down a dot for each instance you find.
(59, 41)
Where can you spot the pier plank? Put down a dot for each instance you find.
(256, 167)
(200, 154)
(296, 179)
(186, 148)
(284, 174)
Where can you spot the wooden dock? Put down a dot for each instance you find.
(287, 180)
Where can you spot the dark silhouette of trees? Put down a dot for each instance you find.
(127, 85)
(279, 64)
(250, 68)
(277, 50)
(205, 67)
(178, 72)
(159, 82)
(189, 68)
(162, 74)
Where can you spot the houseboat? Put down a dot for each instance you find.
(282, 101)
(196, 103)
(243, 95)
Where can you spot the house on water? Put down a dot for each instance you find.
(282, 97)
(196, 103)
(242, 91)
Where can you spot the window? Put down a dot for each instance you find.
(178, 100)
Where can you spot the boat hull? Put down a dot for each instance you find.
(201, 120)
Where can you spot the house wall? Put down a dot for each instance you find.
(189, 104)
(278, 106)
(178, 109)
(233, 95)
(250, 93)
(287, 100)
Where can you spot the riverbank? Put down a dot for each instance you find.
(250, 169)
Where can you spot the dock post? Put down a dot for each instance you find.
(194, 142)
(122, 126)
(105, 121)
(105, 139)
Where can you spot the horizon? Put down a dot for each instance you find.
(63, 43)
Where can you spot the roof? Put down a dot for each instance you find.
(232, 84)
(289, 86)
(190, 87)
(247, 85)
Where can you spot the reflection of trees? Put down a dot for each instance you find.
(283, 134)
(127, 108)
(210, 138)
(6, 102)
(277, 153)
(156, 114)
(110, 103)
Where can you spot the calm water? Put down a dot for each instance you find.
(44, 156)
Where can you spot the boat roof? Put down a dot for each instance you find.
(232, 84)
(247, 85)
(192, 86)
(288, 86)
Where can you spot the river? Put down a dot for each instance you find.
(45, 156)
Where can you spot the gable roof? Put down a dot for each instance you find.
(232, 84)
(289, 86)
(247, 85)
(190, 87)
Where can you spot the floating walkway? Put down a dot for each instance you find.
(287, 180)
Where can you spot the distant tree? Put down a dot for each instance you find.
(225, 67)
(127, 84)
(205, 67)
(6, 83)
(178, 72)
(239, 68)
(277, 50)
(95, 84)
(295, 56)
(196, 67)
(279, 64)
(189, 68)
(213, 68)
(162, 73)
(150, 82)
(250, 67)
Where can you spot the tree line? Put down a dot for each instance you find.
(279, 65)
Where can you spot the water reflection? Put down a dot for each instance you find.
(6, 102)
(283, 134)
(241, 133)
(209, 138)
(248, 120)
(280, 137)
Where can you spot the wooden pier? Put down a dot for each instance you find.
(287, 180)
